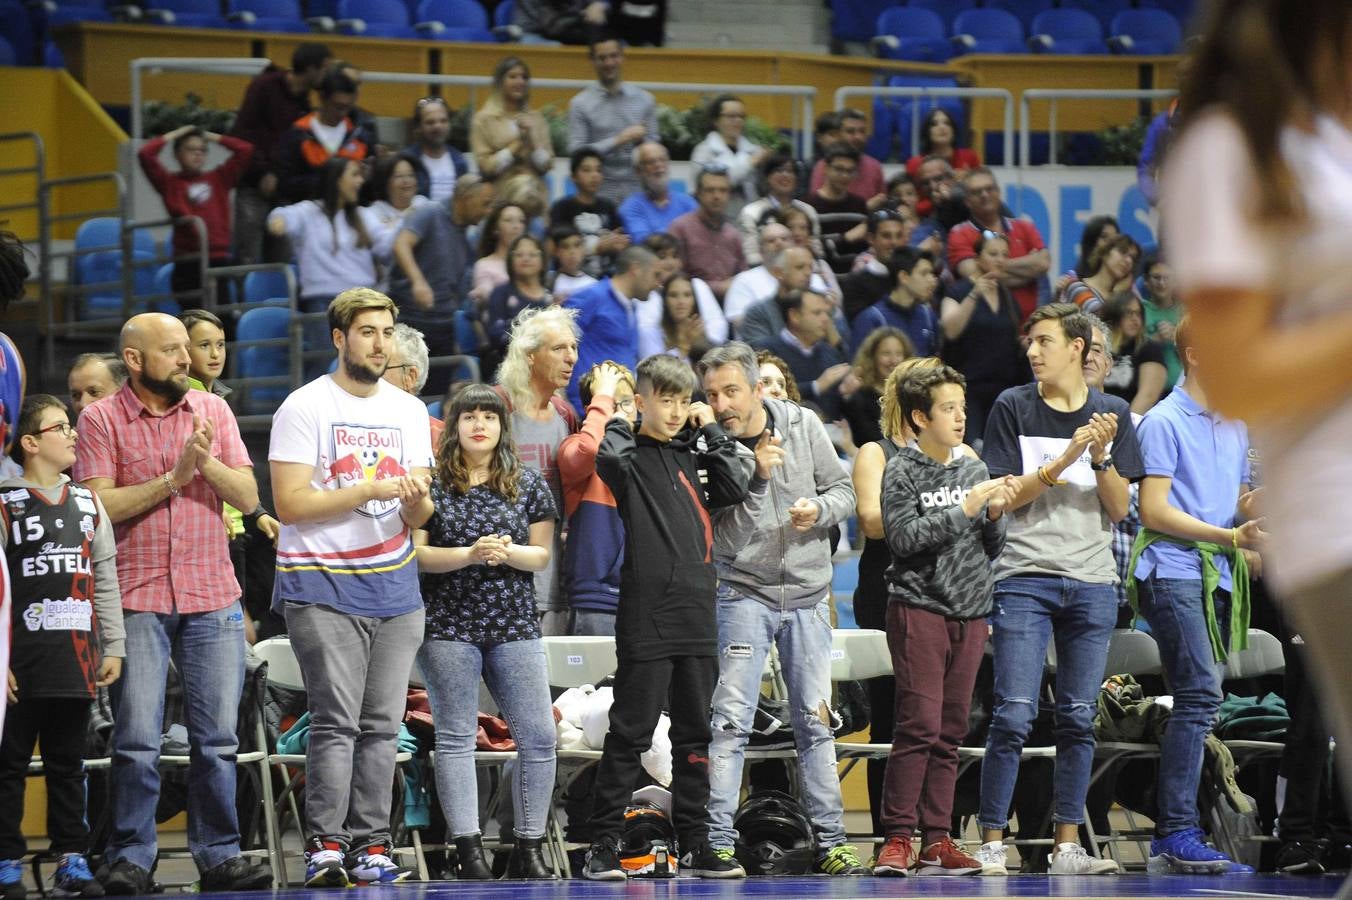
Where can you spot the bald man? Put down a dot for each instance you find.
(94, 376)
(163, 458)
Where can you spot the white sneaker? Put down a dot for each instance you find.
(992, 858)
(1071, 859)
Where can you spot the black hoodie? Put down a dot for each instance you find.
(663, 492)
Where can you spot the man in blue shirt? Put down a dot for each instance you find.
(608, 317)
(907, 305)
(655, 206)
(1196, 479)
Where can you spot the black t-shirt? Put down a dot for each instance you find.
(592, 220)
(1124, 378)
(988, 352)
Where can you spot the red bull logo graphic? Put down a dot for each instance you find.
(366, 454)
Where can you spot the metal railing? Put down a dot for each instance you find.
(1055, 95)
(922, 91)
(800, 121)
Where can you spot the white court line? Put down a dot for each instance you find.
(1239, 893)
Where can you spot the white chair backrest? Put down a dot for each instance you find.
(858, 654)
(283, 668)
(575, 661)
(1263, 657)
(1132, 652)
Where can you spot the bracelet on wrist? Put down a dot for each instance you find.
(169, 483)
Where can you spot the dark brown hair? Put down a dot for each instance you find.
(504, 469)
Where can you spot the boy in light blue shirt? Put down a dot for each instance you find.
(1190, 579)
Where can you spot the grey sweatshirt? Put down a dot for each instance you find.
(103, 555)
(940, 557)
(757, 551)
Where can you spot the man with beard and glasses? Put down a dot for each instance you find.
(163, 459)
(351, 459)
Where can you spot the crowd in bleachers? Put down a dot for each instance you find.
(685, 399)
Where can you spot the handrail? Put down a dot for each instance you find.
(238, 65)
(129, 263)
(1053, 95)
(801, 126)
(918, 91)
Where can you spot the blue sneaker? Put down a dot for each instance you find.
(73, 878)
(1186, 853)
(11, 880)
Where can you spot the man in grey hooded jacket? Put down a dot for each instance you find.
(773, 557)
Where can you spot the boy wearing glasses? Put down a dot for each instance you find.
(61, 556)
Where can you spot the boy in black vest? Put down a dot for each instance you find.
(61, 556)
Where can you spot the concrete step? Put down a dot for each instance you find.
(716, 34)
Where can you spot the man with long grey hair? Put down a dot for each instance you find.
(541, 354)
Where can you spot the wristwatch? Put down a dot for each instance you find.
(1103, 466)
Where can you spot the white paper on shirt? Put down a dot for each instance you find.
(1041, 451)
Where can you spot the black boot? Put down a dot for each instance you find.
(470, 862)
(528, 861)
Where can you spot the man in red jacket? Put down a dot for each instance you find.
(194, 191)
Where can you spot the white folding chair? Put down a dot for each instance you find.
(1263, 657)
(284, 671)
(573, 661)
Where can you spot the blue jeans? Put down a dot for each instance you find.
(593, 623)
(518, 678)
(1174, 608)
(208, 649)
(746, 630)
(1031, 610)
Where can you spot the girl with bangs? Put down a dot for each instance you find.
(491, 529)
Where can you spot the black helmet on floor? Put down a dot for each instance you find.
(774, 836)
(648, 842)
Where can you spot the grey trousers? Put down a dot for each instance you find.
(356, 671)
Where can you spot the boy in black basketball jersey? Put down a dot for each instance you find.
(61, 558)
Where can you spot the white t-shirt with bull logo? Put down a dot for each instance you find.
(361, 562)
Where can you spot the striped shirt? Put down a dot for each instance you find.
(175, 556)
(596, 117)
(361, 562)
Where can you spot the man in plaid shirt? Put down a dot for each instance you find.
(163, 459)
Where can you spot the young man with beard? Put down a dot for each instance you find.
(350, 458)
(774, 589)
(162, 459)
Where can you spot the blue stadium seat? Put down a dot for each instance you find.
(917, 35)
(16, 29)
(164, 279)
(1145, 32)
(988, 31)
(7, 55)
(466, 338)
(263, 323)
(260, 287)
(1103, 10)
(1185, 11)
(186, 13)
(945, 9)
(856, 20)
(375, 18)
(435, 16)
(64, 12)
(902, 106)
(1024, 10)
(267, 15)
(105, 267)
(434, 409)
(105, 233)
(1066, 32)
(502, 13)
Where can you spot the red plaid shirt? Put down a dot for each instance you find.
(175, 556)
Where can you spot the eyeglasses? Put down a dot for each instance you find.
(627, 405)
(399, 366)
(66, 429)
(714, 168)
(984, 189)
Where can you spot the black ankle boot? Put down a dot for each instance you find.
(470, 862)
(528, 861)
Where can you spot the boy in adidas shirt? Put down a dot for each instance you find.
(1072, 450)
(943, 519)
(62, 559)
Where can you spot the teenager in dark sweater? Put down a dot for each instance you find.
(665, 626)
(943, 519)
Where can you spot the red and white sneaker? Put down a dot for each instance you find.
(896, 858)
(943, 857)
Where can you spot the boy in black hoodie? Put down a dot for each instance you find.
(665, 626)
(943, 518)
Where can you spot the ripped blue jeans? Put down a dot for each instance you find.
(1030, 611)
(747, 629)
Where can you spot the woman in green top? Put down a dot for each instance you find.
(1162, 311)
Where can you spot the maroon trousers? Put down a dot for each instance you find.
(935, 660)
